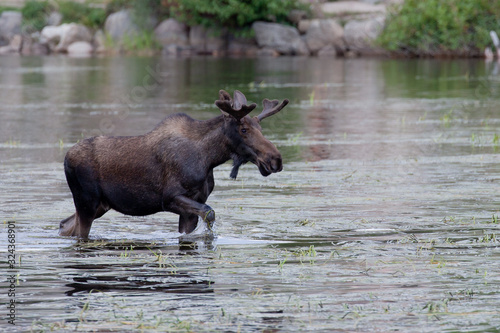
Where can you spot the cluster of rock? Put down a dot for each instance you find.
(68, 38)
(321, 36)
(325, 35)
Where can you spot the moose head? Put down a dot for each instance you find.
(251, 145)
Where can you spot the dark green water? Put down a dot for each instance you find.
(385, 217)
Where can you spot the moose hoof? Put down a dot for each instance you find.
(210, 217)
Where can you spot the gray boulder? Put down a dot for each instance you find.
(206, 41)
(99, 41)
(54, 18)
(241, 46)
(14, 45)
(284, 39)
(120, 24)
(31, 46)
(327, 51)
(303, 25)
(80, 49)
(267, 52)
(360, 35)
(58, 38)
(10, 25)
(339, 8)
(297, 15)
(172, 32)
(321, 33)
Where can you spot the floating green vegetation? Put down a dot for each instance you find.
(447, 118)
(127, 252)
(487, 238)
(308, 254)
(294, 139)
(440, 306)
(482, 139)
(306, 222)
(304, 255)
(164, 261)
(311, 98)
(353, 312)
(471, 221)
(12, 143)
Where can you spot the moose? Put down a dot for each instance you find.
(168, 169)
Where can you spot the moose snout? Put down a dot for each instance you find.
(276, 164)
(270, 164)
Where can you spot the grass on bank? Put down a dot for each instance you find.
(35, 13)
(441, 27)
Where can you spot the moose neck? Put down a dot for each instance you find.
(215, 141)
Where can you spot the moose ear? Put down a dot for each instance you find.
(236, 108)
(239, 99)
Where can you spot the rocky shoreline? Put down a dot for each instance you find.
(337, 29)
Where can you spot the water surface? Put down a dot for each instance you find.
(385, 217)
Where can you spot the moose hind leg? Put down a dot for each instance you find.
(187, 223)
(67, 226)
(75, 225)
(86, 196)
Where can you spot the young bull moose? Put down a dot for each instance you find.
(168, 169)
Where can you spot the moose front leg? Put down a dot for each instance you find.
(186, 206)
(189, 222)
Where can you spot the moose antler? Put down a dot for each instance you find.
(271, 107)
(236, 107)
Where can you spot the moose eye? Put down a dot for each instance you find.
(244, 130)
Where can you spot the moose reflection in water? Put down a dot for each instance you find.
(169, 168)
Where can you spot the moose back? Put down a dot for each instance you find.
(168, 169)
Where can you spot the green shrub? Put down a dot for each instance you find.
(141, 42)
(233, 14)
(439, 27)
(35, 14)
(81, 13)
(4, 8)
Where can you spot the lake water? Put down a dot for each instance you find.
(385, 217)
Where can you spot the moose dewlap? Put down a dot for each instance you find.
(168, 169)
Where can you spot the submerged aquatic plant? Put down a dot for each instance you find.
(12, 143)
(447, 118)
(309, 254)
(162, 261)
(434, 307)
(127, 252)
(295, 138)
(488, 238)
(306, 222)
